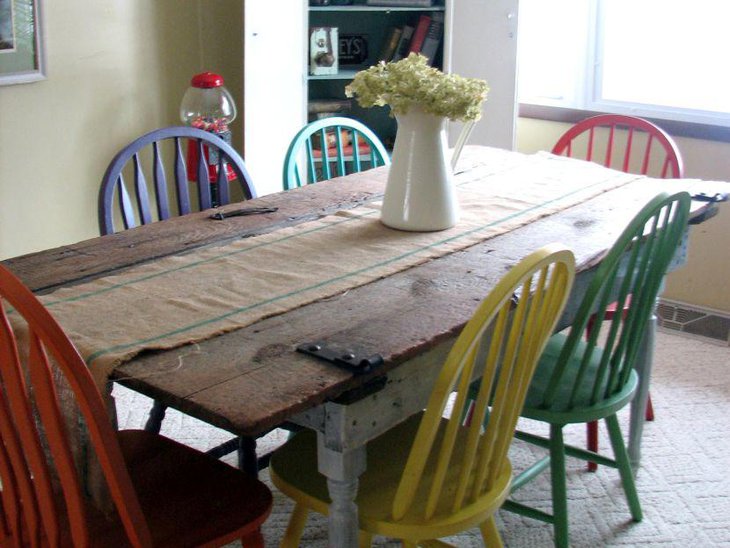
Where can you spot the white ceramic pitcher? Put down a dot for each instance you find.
(420, 194)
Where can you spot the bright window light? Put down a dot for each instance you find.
(656, 58)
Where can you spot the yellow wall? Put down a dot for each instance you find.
(116, 69)
(704, 281)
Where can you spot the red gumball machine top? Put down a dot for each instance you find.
(208, 105)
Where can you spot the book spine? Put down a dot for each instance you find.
(433, 37)
(390, 43)
(404, 43)
(419, 34)
(401, 3)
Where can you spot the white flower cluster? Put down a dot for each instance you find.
(411, 81)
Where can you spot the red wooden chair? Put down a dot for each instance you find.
(164, 493)
(647, 149)
(632, 145)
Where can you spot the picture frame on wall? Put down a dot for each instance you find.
(22, 58)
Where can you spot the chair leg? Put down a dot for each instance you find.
(247, 460)
(649, 409)
(297, 521)
(559, 490)
(255, 539)
(624, 466)
(154, 421)
(592, 433)
(592, 442)
(490, 534)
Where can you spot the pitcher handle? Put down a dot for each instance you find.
(461, 141)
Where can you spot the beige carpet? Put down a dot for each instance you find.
(684, 484)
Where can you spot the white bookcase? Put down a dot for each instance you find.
(479, 40)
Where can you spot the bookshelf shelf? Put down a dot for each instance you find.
(341, 75)
(386, 9)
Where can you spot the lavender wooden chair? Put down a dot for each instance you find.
(155, 196)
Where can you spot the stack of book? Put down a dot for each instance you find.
(423, 37)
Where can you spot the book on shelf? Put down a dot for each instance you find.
(433, 37)
(419, 34)
(404, 43)
(401, 3)
(329, 106)
(390, 43)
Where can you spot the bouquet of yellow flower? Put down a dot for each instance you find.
(411, 81)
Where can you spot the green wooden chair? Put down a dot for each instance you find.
(351, 147)
(578, 381)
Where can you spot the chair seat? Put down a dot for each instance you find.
(294, 471)
(562, 411)
(186, 496)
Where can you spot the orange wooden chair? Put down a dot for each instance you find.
(648, 150)
(163, 493)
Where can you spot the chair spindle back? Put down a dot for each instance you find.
(132, 202)
(33, 511)
(502, 343)
(634, 268)
(351, 147)
(647, 149)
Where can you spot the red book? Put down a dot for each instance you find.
(419, 35)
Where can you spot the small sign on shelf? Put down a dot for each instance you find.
(323, 50)
(353, 49)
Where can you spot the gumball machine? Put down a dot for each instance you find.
(208, 105)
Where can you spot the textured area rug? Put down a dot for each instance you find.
(683, 482)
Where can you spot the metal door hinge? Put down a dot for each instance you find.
(356, 363)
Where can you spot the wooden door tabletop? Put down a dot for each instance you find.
(252, 379)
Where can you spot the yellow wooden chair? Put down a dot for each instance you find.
(431, 476)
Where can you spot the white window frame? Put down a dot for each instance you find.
(586, 95)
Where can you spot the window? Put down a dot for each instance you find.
(660, 59)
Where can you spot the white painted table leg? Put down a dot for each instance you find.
(638, 405)
(342, 469)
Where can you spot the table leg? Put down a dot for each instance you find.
(342, 469)
(638, 405)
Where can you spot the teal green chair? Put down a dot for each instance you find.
(578, 381)
(352, 147)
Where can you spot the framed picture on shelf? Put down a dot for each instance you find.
(21, 42)
(323, 50)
